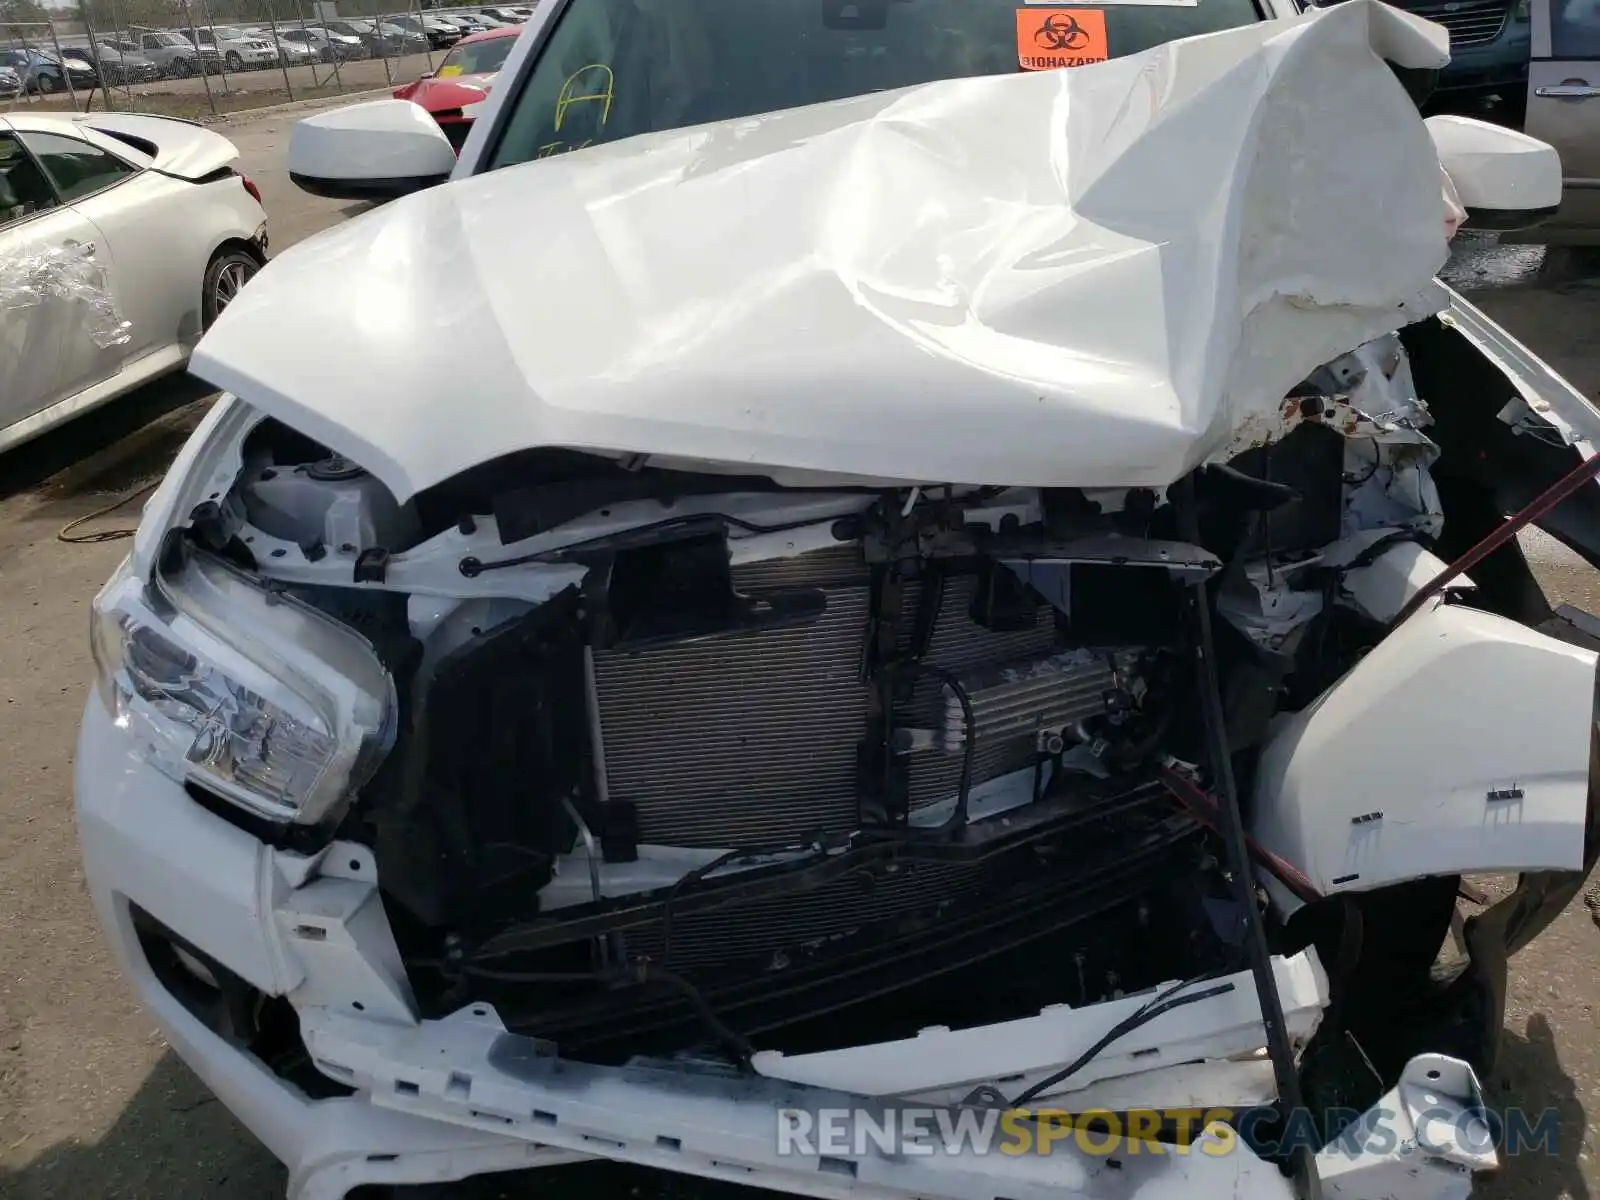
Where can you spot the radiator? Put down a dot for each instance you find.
(750, 739)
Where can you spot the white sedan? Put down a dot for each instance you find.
(121, 239)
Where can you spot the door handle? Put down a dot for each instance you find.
(84, 249)
(1567, 91)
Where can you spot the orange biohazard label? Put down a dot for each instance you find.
(1060, 37)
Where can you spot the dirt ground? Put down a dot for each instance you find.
(92, 1103)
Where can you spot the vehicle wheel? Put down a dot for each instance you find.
(235, 63)
(182, 68)
(226, 275)
(48, 84)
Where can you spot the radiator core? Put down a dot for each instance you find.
(750, 739)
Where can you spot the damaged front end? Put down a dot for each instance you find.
(715, 804)
(620, 802)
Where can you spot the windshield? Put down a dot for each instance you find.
(614, 68)
(478, 58)
(166, 39)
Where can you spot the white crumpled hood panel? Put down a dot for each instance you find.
(1088, 277)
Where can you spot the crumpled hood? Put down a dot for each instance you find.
(1094, 277)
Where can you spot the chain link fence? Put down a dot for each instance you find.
(204, 58)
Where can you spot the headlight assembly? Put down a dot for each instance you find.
(254, 695)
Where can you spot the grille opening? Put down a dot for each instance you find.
(1470, 23)
(263, 1026)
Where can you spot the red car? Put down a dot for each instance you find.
(462, 81)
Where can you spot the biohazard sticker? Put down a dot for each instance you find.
(1060, 37)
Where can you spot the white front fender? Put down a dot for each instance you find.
(1460, 743)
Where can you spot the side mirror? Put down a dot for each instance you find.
(378, 150)
(1505, 179)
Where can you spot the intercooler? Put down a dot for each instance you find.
(751, 738)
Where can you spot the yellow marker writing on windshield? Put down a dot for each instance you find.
(550, 148)
(605, 97)
(447, 72)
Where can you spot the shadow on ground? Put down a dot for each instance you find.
(1529, 1075)
(173, 1141)
(97, 435)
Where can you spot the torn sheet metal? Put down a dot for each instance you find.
(1369, 397)
(1154, 252)
(1261, 605)
(1387, 453)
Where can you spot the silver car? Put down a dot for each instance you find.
(292, 52)
(240, 50)
(175, 54)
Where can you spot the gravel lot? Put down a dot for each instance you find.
(93, 1105)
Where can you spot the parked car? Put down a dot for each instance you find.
(10, 81)
(240, 51)
(439, 34)
(596, 724)
(45, 74)
(363, 31)
(401, 40)
(80, 65)
(466, 24)
(511, 16)
(454, 92)
(325, 44)
(122, 238)
(380, 37)
(175, 54)
(292, 52)
(118, 65)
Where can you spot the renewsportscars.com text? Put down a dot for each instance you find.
(844, 1132)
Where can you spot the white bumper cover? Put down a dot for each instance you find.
(1424, 1139)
